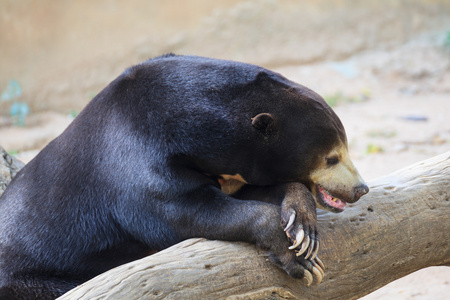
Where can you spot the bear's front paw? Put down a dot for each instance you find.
(299, 220)
(311, 271)
(301, 233)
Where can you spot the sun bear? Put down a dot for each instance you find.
(177, 147)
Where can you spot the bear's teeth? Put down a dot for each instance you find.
(334, 199)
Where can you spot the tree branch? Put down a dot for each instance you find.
(401, 226)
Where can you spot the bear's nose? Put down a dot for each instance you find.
(360, 191)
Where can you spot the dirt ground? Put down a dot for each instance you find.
(391, 92)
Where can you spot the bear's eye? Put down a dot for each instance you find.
(331, 161)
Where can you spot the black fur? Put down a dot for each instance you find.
(137, 172)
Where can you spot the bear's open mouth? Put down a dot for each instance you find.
(329, 202)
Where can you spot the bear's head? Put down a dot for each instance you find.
(304, 141)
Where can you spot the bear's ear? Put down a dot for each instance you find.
(264, 122)
(262, 76)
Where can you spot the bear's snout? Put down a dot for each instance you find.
(360, 191)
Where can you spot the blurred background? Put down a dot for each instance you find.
(383, 65)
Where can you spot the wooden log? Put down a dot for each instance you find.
(401, 226)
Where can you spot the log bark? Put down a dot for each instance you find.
(401, 226)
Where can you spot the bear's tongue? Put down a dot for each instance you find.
(332, 201)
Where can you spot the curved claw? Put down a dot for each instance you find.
(298, 239)
(320, 263)
(317, 275)
(316, 250)
(308, 278)
(304, 246)
(310, 249)
(316, 265)
(291, 221)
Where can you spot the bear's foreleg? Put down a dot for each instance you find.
(298, 217)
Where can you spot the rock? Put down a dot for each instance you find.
(9, 166)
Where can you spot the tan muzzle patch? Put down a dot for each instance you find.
(339, 179)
